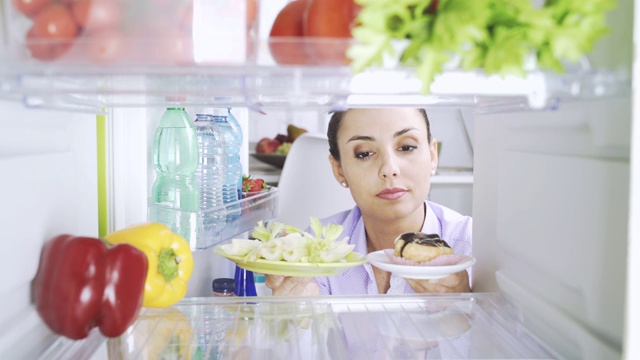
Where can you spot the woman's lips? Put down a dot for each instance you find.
(392, 194)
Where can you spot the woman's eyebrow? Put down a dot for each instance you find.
(361, 138)
(403, 131)
(371, 138)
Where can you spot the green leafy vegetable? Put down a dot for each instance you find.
(279, 242)
(497, 36)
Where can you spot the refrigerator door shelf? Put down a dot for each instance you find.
(259, 207)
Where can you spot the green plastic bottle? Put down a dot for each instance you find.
(175, 193)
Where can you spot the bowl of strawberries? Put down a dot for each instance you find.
(252, 187)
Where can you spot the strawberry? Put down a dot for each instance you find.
(250, 185)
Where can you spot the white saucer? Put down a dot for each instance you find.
(380, 260)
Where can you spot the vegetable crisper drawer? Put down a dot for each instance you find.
(131, 32)
(365, 327)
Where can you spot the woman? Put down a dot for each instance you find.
(386, 157)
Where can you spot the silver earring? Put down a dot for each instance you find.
(344, 184)
(433, 171)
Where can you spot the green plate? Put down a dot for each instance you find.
(284, 268)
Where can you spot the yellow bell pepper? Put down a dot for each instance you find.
(169, 257)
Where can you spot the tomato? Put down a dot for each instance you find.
(30, 7)
(40, 49)
(97, 14)
(44, 49)
(105, 46)
(55, 22)
(52, 33)
(286, 39)
(330, 21)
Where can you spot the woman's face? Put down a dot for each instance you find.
(386, 160)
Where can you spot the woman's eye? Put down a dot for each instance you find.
(362, 155)
(408, 148)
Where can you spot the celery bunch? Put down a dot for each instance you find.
(280, 242)
(493, 35)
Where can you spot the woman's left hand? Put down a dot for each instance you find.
(454, 283)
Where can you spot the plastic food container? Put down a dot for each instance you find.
(132, 32)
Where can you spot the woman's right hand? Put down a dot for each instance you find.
(292, 285)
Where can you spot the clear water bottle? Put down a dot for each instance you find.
(233, 174)
(175, 159)
(211, 170)
(238, 131)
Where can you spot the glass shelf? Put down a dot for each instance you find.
(153, 53)
(357, 327)
(250, 210)
(261, 88)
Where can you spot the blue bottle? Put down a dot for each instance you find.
(233, 173)
(245, 283)
(175, 193)
(238, 131)
(211, 172)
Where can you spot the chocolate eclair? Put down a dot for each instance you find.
(420, 247)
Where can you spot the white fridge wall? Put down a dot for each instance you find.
(49, 186)
(632, 319)
(553, 213)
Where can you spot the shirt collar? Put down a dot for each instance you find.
(431, 223)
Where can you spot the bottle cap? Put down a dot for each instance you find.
(223, 285)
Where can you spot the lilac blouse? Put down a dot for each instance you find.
(450, 225)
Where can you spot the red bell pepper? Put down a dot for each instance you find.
(81, 284)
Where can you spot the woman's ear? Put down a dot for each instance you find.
(337, 169)
(433, 150)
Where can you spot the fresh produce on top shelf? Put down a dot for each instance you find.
(30, 7)
(53, 32)
(313, 32)
(497, 36)
(93, 15)
(287, 31)
(81, 284)
(170, 261)
(279, 242)
(108, 31)
(328, 23)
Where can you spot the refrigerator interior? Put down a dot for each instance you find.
(553, 168)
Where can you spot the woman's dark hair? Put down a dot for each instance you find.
(334, 126)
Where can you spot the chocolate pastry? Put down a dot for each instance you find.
(420, 247)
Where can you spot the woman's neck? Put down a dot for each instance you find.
(381, 234)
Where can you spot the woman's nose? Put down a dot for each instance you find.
(388, 167)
